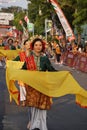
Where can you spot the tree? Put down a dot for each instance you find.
(19, 14)
(38, 11)
(79, 14)
(46, 11)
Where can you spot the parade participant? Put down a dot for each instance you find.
(1, 42)
(58, 53)
(9, 43)
(22, 55)
(57, 83)
(38, 102)
(15, 45)
(1, 47)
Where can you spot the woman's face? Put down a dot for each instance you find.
(10, 41)
(16, 43)
(37, 47)
(27, 45)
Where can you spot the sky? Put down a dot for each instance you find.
(21, 3)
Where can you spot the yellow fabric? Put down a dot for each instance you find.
(10, 54)
(54, 84)
(1, 48)
(13, 90)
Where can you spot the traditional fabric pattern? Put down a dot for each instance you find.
(30, 63)
(36, 99)
(22, 55)
(33, 97)
(37, 61)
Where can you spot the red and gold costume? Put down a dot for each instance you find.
(33, 97)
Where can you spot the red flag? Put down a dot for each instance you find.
(26, 19)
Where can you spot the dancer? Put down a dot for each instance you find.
(22, 56)
(38, 102)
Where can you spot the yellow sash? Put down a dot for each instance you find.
(10, 54)
(53, 84)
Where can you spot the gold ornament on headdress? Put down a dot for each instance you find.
(37, 36)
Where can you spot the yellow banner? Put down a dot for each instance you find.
(10, 54)
(54, 84)
(1, 48)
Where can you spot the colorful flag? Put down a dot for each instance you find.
(63, 20)
(25, 31)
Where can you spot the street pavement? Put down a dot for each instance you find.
(64, 114)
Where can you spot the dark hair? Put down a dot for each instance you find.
(10, 40)
(25, 41)
(38, 39)
(16, 41)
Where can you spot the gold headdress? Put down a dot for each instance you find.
(37, 36)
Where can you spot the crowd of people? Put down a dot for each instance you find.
(10, 43)
(53, 49)
(57, 49)
(36, 54)
(34, 57)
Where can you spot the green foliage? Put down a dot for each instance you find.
(78, 14)
(38, 10)
(19, 14)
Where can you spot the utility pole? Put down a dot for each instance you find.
(47, 27)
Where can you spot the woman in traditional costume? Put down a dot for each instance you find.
(21, 57)
(38, 102)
